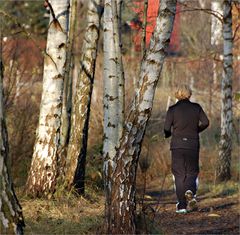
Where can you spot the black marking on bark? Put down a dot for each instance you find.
(61, 45)
(59, 76)
(55, 22)
(111, 125)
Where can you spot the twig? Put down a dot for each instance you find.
(29, 36)
(205, 10)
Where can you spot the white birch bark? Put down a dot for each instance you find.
(111, 96)
(113, 92)
(65, 123)
(43, 171)
(116, 10)
(216, 25)
(225, 148)
(11, 218)
(216, 31)
(123, 205)
(67, 94)
(77, 148)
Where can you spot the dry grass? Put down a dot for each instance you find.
(66, 215)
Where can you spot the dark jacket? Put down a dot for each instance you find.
(184, 121)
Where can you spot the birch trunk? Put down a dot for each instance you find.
(113, 95)
(225, 148)
(67, 91)
(216, 41)
(116, 10)
(122, 208)
(216, 25)
(11, 218)
(216, 32)
(144, 27)
(43, 172)
(77, 148)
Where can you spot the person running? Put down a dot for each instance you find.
(184, 121)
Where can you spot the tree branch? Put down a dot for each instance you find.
(28, 35)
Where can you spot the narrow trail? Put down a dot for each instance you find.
(216, 215)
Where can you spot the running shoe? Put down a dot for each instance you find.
(191, 200)
(180, 211)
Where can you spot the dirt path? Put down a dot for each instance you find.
(218, 215)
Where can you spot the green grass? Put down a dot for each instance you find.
(227, 188)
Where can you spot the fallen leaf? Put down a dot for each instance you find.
(147, 197)
(214, 215)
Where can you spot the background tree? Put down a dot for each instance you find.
(44, 168)
(77, 148)
(225, 147)
(144, 27)
(67, 90)
(121, 208)
(11, 218)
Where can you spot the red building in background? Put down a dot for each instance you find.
(153, 5)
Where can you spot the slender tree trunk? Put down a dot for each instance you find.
(116, 10)
(77, 148)
(11, 218)
(112, 114)
(43, 172)
(225, 148)
(216, 41)
(122, 207)
(144, 27)
(216, 26)
(67, 91)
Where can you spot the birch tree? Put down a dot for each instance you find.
(43, 172)
(216, 42)
(216, 26)
(120, 211)
(11, 218)
(77, 148)
(67, 89)
(225, 148)
(144, 27)
(117, 17)
(113, 92)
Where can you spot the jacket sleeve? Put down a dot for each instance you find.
(204, 122)
(168, 123)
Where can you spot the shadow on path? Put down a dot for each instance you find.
(218, 215)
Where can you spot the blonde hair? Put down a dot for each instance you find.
(183, 92)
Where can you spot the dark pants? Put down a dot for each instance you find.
(185, 168)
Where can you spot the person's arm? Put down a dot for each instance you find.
(204, 122)
(168, 123)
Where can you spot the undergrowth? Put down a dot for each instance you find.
(66, 214)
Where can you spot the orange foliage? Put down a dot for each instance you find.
(152, 12)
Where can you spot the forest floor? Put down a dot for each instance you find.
(217, 214)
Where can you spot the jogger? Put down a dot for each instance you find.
(184, 121)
